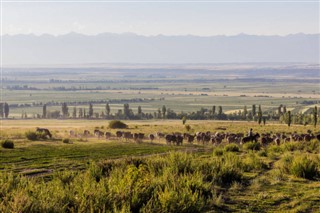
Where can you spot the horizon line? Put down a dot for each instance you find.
(154, 35)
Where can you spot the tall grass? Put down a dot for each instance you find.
(178, 182)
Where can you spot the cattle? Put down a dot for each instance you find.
(308, 137)
(215, 139)
(127, 136)
(119, 134)
(170, 138)
(108, 135)
(318, 137)
(72, 133)
(86, 133)
(160, 135)
(44, 132)
(189, 138)
(179, 140)
(277, 141)
(286, 140)
(151, 137)
(98, 133)
(233, 139)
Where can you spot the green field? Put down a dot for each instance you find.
(99, 175)
(182, 88)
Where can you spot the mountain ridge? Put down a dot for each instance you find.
(132, 48)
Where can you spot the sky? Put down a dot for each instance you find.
(167, 18)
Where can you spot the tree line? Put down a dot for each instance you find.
(214, 113)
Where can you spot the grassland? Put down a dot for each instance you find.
(98, 175)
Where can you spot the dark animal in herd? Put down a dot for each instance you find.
(44, 132)
(252, 138)
(98, 133)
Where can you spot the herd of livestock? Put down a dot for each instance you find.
(201, 137)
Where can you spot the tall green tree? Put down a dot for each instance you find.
(254, 111)
(80, 113)
(126, 111)
(139, 110)
(64, 109)
(245, 112)
(259, 115)
(289, 118)
(108, 109)
(44, 111)
(284, 109)
(164, 111)
(74, 112)
(220, 110)
(213, 110)
(1, 110)
(90, 112)
(279, 110)
(315, 116)
(84, 113)
(6, 110)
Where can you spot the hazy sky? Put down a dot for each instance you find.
(169, 18)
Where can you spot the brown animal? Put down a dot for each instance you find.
(127, 136)
(119, 134)
(151, 137)
(98, 133)
(86, 133)
(277, 141)
(170, 138)
(44, 132)
(250, 138)
(108, 135)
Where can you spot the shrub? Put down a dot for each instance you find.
(66, 140)
(187, 127)
(263, 153)
(305, 167)
(232, 148)
(115, 124)
(252, 162)
(252, 146)
(292, 146)
(32, 136)
(7, 144)
(218, 152)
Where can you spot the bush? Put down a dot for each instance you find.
(232, 148)
(66, 140)
(252, 146)
(32, 136)
(115, 124)
(292, 146)
(218, 152)
(263, 153)
(304, 167)
(7, 144)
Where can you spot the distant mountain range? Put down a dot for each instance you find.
(74, 48)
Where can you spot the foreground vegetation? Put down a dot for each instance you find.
(94, 175)
(224, 181)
